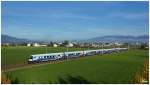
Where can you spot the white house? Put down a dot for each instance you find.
(69, 45)
(28, 44)
(118, 44)
(55, 45)
(35, 44)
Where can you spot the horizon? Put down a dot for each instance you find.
(74, 20)
(78, 39)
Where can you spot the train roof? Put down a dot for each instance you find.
(48, 54)
(74, 52)
(77, 51)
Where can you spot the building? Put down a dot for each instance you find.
(118, 44)
(6, 44)
(28, 44)
(36, 45)
(94, 45)
(55, 45)
(43, 45)
(69, 45)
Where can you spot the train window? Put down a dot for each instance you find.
(78, 53)
(47, 56)
(44, 56)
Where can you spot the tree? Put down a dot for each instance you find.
(66, 42)
(50, 44)
(143, 45)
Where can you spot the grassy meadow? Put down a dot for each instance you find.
(109, 68)
(20, 55)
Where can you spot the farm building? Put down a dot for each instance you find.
(28, 44)
(118, 44)
(69, 45)
(36, 44)
(55, 45)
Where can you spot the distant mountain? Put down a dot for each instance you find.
(117, 38)
(143, 37)
(10, 39)
(114, 38)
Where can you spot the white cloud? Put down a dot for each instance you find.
(129, 15)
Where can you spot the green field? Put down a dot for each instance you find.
(110, 68)
(19, 55)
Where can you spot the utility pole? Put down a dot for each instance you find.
(114, 45)
(46, 49)
(134, 46)
(67, 49)
(128, 46)
(102, 48)
(89, 46)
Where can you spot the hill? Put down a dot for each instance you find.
(117, 38)
(114, 38)
(11, 39)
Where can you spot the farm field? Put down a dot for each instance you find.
(20, 55)
(109, 68)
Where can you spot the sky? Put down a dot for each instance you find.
(73, 20)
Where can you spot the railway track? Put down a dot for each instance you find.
(26, 65)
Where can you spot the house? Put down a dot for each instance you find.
(118, 44)
(94, 45)
(69, 45)
(36, 44)
(55, 45)
(28, 44)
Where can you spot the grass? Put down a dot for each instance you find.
(19, 55)
(111, 68)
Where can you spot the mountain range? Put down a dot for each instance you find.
(10, 39)
(120, 38)
(112, 38)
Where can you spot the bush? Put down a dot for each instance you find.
(5, 79)
(142, 76)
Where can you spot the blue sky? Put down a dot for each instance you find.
(73, 20)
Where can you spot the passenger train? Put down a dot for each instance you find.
(68, 55)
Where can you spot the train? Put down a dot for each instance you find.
(72, 54)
